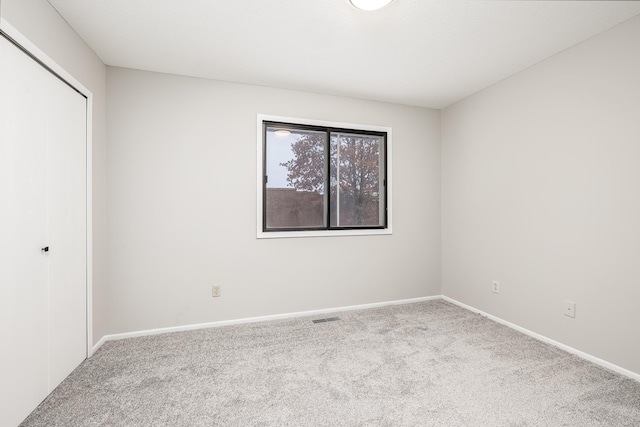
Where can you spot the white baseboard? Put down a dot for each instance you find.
(547, 340)
(254, 319)
(98, 345)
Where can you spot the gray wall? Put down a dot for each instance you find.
(182, 207)
(42, 25)
(541, 191)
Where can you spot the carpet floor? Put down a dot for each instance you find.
(422, 364)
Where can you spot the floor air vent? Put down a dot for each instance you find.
(328, 319)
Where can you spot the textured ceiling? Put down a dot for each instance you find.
(428, 53)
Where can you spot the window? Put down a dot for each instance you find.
(319, 178)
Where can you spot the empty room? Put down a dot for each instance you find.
(319, 213)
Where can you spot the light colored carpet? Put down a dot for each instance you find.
(423, 364)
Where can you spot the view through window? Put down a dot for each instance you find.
(319, 178)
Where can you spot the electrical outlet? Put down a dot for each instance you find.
(570, 309)
(215, 291)
(495, 287)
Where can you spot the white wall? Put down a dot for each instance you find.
(182, 207)
(541, 191)
(42, 25)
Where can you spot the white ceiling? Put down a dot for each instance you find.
(428, 53)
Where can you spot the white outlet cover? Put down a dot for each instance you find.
(570, 309)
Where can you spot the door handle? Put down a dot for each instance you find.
(45, 249)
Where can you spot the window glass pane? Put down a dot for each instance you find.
(356, 181)
(295, 169)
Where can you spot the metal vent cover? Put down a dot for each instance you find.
(328, 319)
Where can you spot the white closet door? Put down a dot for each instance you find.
(23, 267)
(67, 218)
(42, 203)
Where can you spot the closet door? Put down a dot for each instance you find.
(23, 267)
(66, 229)
(42, 204)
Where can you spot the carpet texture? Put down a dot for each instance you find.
(423, 364)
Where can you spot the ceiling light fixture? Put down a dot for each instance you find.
(370, 4)
(282, 133)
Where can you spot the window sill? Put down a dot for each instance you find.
(321, 233)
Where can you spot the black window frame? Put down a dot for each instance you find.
(327, 199)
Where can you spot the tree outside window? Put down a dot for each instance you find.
(301, 163)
